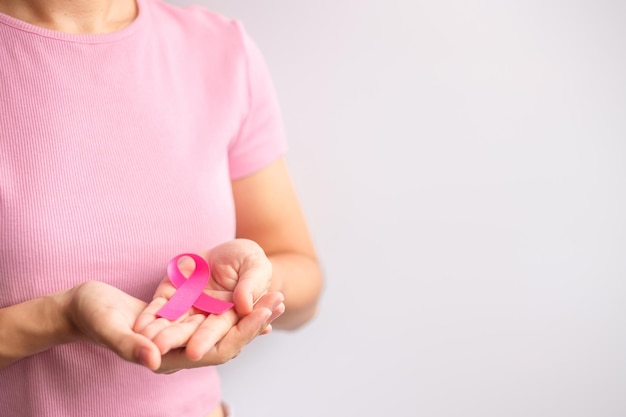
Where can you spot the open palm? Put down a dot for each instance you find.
(240, 273)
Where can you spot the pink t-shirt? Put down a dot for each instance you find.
(116, 154)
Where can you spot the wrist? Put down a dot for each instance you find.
(62, 325)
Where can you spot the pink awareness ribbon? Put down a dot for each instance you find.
(189, 291)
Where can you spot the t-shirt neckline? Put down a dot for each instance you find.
(78, 37)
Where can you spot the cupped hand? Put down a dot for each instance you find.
(105, 315)
(215, 342)
(241, 273)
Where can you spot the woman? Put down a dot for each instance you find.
(132, 132)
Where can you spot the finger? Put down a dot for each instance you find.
(149, 357)
(269, 307)
(215, 327)
(165, 289)
(210, 331)
(174, 361)
(177, 334)
(268, 329)
(226, 349)
(270, 300)
(241, 335)
(129, 345)
(254, 280)
(154, 325)
(242, 267)
(277, 310)
(148, 315)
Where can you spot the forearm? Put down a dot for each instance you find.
(268, 212)
(299, 278)
(33, 326)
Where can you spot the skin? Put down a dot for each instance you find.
(270, 270)
(73, 16)
(276, 286)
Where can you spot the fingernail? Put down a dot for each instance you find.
(277, 313)
(142, 356)
(277, 303)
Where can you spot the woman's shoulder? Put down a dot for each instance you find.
(195, 18)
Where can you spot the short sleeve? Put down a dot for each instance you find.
(261, 138)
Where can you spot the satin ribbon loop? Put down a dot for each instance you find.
(189, 291)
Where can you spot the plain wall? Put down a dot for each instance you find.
(462, 167)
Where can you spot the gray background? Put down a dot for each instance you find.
(461, 164)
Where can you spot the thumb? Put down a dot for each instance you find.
(132, 347)
(254, 282)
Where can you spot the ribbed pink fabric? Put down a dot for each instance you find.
(116, 154)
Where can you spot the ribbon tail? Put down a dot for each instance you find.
(212, 305)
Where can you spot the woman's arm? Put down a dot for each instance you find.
(268, 212)
(97, 313)
(33, 326)
(92, 312)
